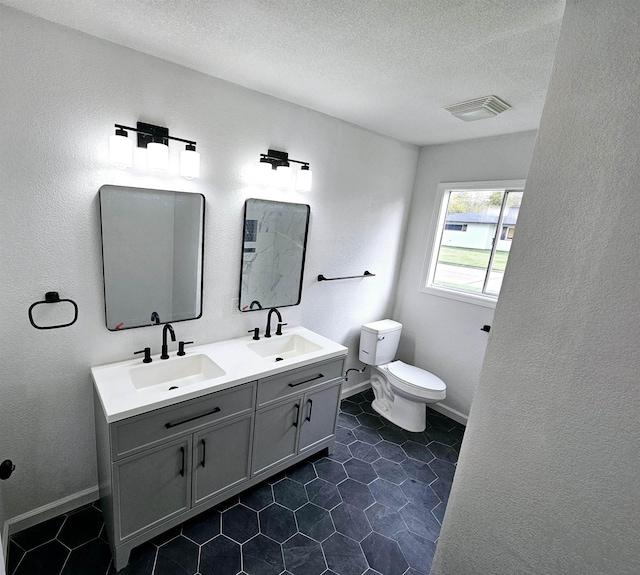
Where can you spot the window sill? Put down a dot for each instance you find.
(473, 299)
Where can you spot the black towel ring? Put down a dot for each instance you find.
(53, 297)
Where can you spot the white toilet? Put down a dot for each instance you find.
(401, 390)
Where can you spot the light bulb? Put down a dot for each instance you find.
(190, 163)
(283, 177)
(263, 173)
(303, 179)
(157, 157)
(120, 150)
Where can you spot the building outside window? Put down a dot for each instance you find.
(507, 232)
(474, 226)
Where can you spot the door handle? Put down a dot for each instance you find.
(295, 423)
(7, 467)
(175, 423)
(310, 402)
(204, 452)
(182, 470)
(306, 380)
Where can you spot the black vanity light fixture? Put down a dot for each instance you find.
(274, 169)
(156, 141)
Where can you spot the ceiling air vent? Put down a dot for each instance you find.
(478, 109)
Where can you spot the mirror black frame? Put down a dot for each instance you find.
(303, 258)
(199, 284)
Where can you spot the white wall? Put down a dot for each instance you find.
(548, 477)
(443, 335)
(62, 92)
(2, 520)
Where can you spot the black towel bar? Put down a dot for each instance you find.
(366, 274)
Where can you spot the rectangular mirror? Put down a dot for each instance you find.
(273, 252)
(152, 250)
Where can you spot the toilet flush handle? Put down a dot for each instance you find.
(380, 337)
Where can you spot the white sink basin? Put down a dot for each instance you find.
(129, 388)
(175, 373)
(283, 347)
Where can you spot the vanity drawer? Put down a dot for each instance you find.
(144, 431)
(297, 380)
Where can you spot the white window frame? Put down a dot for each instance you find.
(435, 235)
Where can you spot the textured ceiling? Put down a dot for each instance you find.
(387, 65)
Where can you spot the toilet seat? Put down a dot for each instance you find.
(416, 381)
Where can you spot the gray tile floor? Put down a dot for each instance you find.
(374, 506)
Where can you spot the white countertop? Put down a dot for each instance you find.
(120, 399)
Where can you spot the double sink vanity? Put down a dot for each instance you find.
(177, 436)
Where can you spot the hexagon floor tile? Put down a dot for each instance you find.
(374, 506)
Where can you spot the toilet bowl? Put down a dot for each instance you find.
(401, 390)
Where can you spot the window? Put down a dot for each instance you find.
(470, 266)
(507, 232)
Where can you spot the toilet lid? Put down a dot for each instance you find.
(415, 376)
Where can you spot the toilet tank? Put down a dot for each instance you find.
(379, 341)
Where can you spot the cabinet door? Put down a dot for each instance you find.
(152, 487)
(318, 417)
(222, 457)
(275, 437)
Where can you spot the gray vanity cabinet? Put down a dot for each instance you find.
(297, 411)
(222, 458)
(152, 487)
(276, 435)
(160, 468)
(320, 409)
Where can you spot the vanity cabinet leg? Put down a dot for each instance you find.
(121, 557)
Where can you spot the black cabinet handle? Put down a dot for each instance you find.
(182, 470)
(310, 402)
(306, 380)
(295, 423)
(176, 423)
(204, 451)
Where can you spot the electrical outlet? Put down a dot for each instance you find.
(234, 304)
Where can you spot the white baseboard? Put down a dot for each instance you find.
(49, 511)
(355, 389)
(450, 413)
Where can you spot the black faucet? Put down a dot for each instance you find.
(167, 327)
(267, 332)
(256, 303)
(155, 318)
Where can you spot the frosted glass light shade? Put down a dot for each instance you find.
(303, 180)
(120, 152)
(283, 177)
(157, 157)
(262, 175)
(189, 164)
